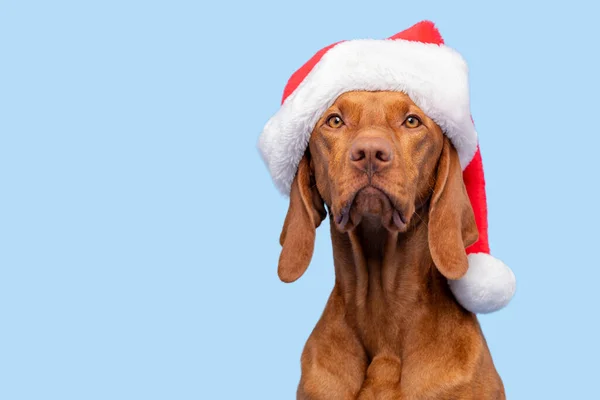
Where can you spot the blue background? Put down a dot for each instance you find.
(139, 228)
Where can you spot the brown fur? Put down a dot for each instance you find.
(391, 328)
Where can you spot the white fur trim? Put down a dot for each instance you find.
(435, 77)
(487, 286)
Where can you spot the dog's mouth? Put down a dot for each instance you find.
(375, 203)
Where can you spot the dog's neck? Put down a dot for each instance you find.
(385, 278)
(370, 260)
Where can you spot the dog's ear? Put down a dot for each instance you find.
(452, 226)
(305, 213)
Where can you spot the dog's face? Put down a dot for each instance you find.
(374, 155)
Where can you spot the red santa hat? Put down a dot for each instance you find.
(435, 77)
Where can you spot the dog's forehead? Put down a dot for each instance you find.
(377, 104)
(363, 99)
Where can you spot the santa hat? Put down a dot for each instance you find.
(435, 77)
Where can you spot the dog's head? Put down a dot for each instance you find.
(376, 156)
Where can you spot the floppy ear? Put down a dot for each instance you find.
(305, 213)
(452, 225)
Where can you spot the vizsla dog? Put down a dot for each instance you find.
(400, 222)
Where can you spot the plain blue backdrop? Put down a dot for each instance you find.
(139, 228)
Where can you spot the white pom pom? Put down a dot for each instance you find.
(488, 285)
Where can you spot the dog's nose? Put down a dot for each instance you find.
(370, 154)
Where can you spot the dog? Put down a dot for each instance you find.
(400, 220)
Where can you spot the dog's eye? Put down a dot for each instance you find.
(334, 121)
(412, 121)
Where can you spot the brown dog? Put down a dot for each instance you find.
(400, 222)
